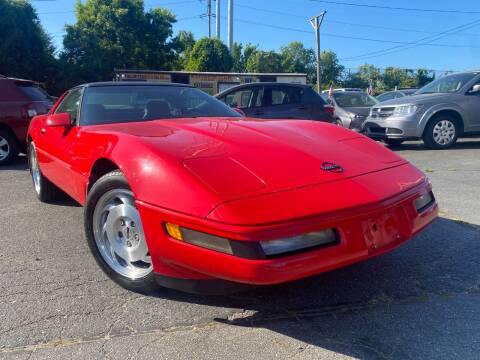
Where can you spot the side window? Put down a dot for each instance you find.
(240, 98)
(258, 97)
(387, 96)
(71, 104)
(286, 95)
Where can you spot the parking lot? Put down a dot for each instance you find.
(421, 301)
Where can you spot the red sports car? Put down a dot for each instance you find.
(181, 190)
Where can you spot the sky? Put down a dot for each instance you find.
(447, 38)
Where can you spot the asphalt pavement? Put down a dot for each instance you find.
(421, 301)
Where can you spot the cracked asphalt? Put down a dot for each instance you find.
(420, 301)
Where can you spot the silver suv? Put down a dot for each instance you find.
(438, 113)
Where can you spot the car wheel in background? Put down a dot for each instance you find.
(44, 189)
(441, 132)
(393, 142)
(8, 147)
(115, 234)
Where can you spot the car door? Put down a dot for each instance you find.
(54, 144)
(471, 107)
(284, 102)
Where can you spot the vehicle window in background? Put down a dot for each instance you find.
(359, 99)
(447, 84)
(240, 99)
(258, 96)
(327, 99)
(70, 104)
(33, 92)
(286, 95)
(115, 104)
(387, 96)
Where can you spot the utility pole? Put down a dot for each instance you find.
(230, 25)
(209, 14)
(217, 19)
(316, 22)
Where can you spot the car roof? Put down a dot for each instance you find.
(269, 83)
(131, 83)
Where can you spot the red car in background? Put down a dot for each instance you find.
(20, 101)
(181, 190)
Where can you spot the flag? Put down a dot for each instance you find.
(330, 91)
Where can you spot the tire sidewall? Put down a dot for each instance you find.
(428, 137)
(111, 181)
(12, 144)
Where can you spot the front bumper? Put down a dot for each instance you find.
(365, 232)
(392, 128)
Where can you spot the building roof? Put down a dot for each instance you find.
(128, 71)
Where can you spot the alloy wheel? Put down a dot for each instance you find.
(444, 132)
(4, 148)
(119, 234)
(34, 169)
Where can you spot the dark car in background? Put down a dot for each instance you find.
(351, 107)
(278, 101)
(20, 101)
(390, 95)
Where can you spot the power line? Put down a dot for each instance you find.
(400, 43)
(396, 7)
(416, 43)
(289, 14)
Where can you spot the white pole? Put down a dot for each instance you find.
(230, 24)
(217, 19)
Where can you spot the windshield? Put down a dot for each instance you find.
(356, 99)
(114, 104)
(447, 84)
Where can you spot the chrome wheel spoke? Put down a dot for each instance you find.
(119, 234)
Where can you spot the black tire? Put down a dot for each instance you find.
(8, 146)
(394, 142)
(428, 135)
(111, 181)
(46, 191)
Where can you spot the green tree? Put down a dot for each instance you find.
(209, 54)
(264, 62)
(423, 77)
(298, 59)
(117, 34)
(25, 49)
(332, 70)
(237, 58)
(183, 44)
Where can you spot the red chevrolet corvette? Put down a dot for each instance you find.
(181, 190)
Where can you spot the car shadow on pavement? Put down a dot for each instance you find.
(20, 163)
(420, 301)
(462, 144)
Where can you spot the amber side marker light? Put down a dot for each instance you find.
(174, 231)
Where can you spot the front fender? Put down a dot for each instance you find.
(157, 178)
(435, 109)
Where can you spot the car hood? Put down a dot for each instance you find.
(416, 99)
(233, 157)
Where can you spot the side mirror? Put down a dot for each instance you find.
(240, 111)
(59, 120)
(475, 89)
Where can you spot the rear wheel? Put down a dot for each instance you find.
(8, 147)
(441, 133)
(115, 234)
(44, 189)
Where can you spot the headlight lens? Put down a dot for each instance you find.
(404, 110)
(198, 238)
(252, 250)
(424, 202)
(300, 242)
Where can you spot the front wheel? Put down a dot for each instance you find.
(44, 189)
(441, 133)
(115, 234)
